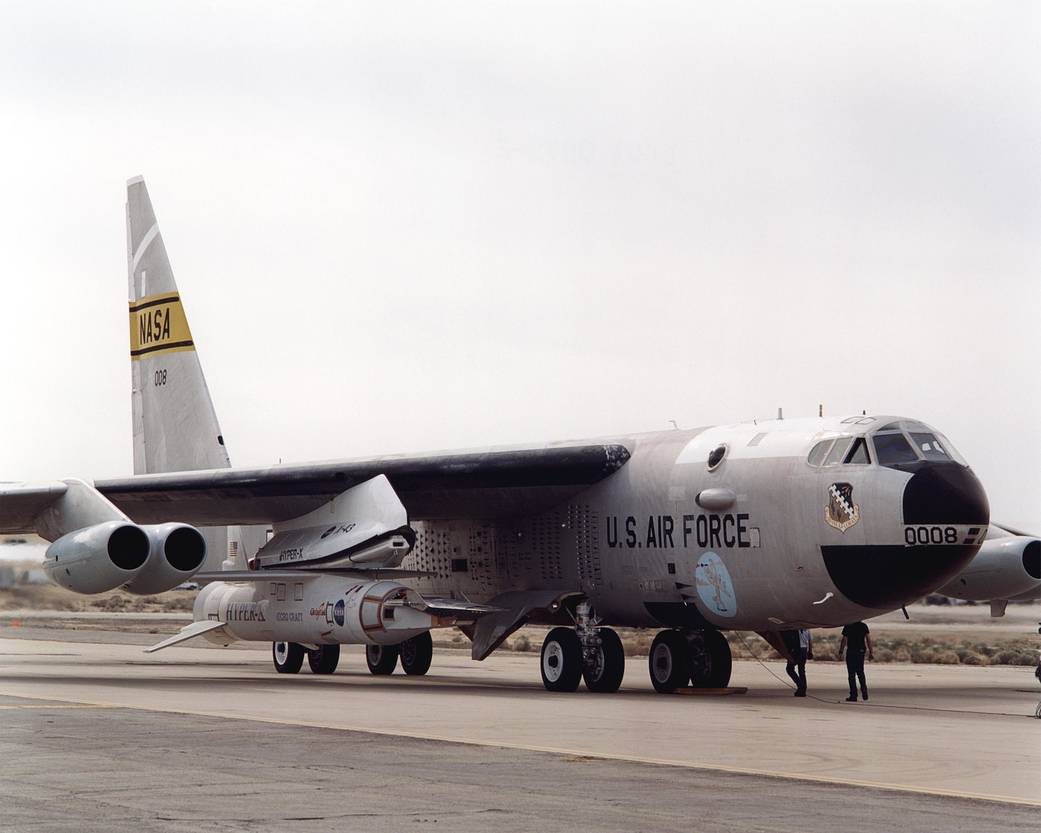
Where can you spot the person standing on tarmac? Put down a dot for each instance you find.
(856, 640)
(800, 649)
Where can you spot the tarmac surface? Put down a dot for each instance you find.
(103, 737)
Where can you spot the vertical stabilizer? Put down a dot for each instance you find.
(175, 424)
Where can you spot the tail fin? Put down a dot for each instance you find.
(175, 425)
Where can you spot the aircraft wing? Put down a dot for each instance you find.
(475, 484)
(20, 503)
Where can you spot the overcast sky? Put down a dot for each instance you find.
(409, 226)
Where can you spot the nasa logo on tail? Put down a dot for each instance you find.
(841, 512)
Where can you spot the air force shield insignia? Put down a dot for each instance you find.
(841, 512)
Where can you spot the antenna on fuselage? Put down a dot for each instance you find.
(820, 410)
(780, 413)
(674, 425)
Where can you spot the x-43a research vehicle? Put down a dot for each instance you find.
(762, 526)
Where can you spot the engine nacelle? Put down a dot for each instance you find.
(98, 558)
(1004, 567)
(176, 553)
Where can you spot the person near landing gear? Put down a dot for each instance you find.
(800, 649)
(856, 640)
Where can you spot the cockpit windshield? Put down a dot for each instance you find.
(908, 442)
(893, 449)
(895, 444)
(929, 445)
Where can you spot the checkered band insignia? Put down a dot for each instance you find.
(841, 512)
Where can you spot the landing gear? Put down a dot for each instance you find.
(710, 659)
(323, 659)
(603, 658)
(603, 671)
(287, 656)
(381, 659)
(700, 657)
(669, 661)
(416, 654)
(561, 660)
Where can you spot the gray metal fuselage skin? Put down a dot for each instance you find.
(642, 550)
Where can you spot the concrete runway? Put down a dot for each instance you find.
(216, 734)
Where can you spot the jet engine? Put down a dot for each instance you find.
(98, 558)
(1004, 567)
(176, 553)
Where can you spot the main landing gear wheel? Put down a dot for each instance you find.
(561, 660)
(323, 659)
(608, 666)
(710, 659)
(287, 656)
(416, 654)
(669, 661)
(381, 659)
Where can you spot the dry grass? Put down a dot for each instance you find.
(52, 597)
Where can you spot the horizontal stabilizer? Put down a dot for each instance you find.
(187, 632)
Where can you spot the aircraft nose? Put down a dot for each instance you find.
(945, 493)
(945, 514)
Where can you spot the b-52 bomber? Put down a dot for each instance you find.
(763, 526)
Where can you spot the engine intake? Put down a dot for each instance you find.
(176, 553)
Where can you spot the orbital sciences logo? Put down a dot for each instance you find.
(329, 612)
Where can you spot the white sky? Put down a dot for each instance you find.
(407, 226)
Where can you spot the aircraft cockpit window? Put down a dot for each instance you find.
(838, 451)
(859, 452)
(819, 452)
(930, 446)
(893, 449)
(716, 455)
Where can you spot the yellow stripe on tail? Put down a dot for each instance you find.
(158, 325)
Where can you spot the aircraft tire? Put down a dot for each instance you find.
(710, 659)
(381, 659)
(669, 661)
(323, 659)
(416, 654)
(287, 656)
(606, 677)
(561, 660)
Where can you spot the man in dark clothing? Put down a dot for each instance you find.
(800, 648)
(856, 641)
